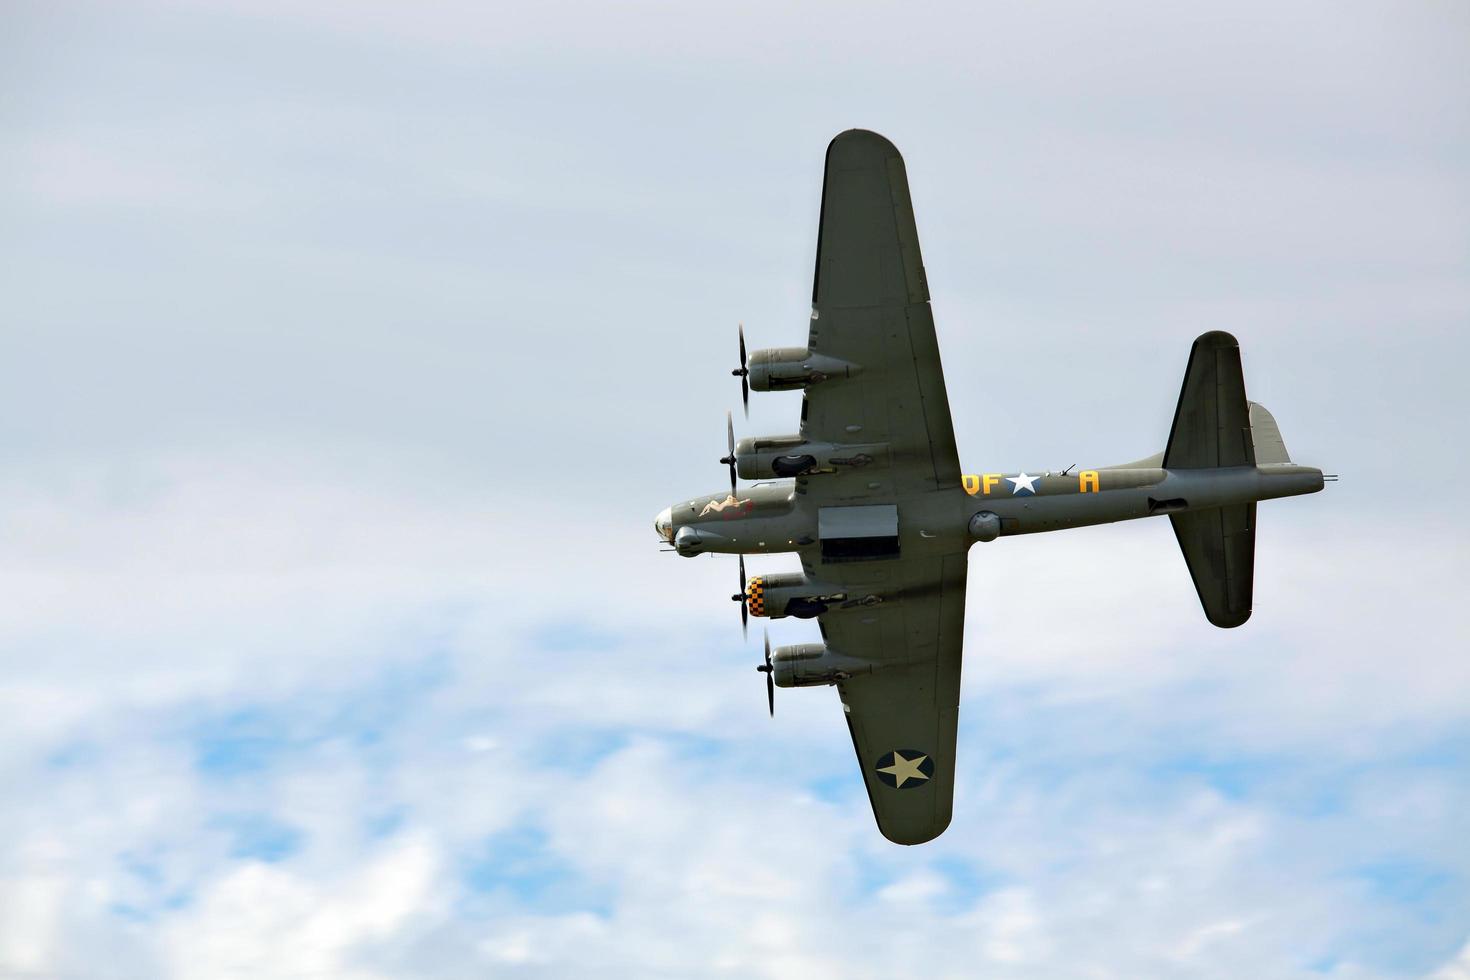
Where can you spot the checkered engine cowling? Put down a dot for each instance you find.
(785, 594)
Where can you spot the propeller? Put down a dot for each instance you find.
(740, 598)
(743, 373)
(765, 668)
(729, 460)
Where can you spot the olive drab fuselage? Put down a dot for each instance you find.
(769, 518)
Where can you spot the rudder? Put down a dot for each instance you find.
(1266, 440)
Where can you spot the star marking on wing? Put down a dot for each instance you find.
(904, 769)
(1022, 482)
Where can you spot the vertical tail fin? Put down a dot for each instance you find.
(1266, 437)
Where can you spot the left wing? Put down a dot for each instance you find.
(903, 715)
(870, 309)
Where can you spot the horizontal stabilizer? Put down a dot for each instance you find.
(1213, 428)
(1219, 546)
(1211, 424)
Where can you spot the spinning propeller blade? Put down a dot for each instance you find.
(740, 598)
(743, 373)
(729, 459)
(765, 668)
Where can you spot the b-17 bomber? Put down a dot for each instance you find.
(870, 496)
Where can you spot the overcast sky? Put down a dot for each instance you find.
(350, 348)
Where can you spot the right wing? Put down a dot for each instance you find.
(903, 715)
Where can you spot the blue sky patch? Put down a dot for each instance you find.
(1412, 883)
(1418, 923)
(241, 742)
(838, 787)
(260, 837)
(72, 754)
(968, 881)
(521, 864)
(579, 750)
(1234, 777)
(384, 823)
(145, 890)
(255, 738)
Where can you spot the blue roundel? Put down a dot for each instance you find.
(904, 768)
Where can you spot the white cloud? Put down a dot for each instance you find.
(31, 924)
(262, 921)
(1457, 969)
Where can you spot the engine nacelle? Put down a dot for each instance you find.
(793, 594)
(790, 594)
(790, 368)
(812, 664)
(783, 457)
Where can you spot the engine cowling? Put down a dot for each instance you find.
(789, 594)
(791, 368)
(783, 457)
(812, 665)
(793, 594)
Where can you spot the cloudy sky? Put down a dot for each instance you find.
(350, 348)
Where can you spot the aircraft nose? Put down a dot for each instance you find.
(664, 524)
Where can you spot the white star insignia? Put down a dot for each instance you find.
(903, 769)
(1022, 482)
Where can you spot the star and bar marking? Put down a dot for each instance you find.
(904, 768)
(1023, 483)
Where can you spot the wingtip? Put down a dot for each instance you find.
(1216, 338)
(1229, 622)
(858, 137)
(911, 837)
